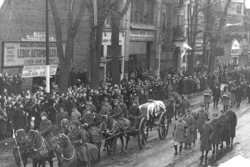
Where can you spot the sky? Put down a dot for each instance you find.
(247, 3)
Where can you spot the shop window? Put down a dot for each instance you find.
(142, 11)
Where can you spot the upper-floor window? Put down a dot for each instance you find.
(142, 11)
(239, 9)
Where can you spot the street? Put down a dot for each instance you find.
(159, 153)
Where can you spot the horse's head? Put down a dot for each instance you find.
(33, 137)
(21, 136)
(63, 140)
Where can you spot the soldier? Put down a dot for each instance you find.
(226, 102)
(45, 130)
(134, 115)
(185, 104)
(179, 134)
(224, 121)
(216, 95)
(201, 115)
(75, 115)
(207, 97)
(232, 126)
(216, 137)
(61, 115)
(195, 116)
(206, 137)
(190, 128)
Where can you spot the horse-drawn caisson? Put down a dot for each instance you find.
(153, 115)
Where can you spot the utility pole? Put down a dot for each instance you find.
(47, 49)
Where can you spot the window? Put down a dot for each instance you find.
(239, 9)
(142, 11)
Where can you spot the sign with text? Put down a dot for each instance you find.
(18, 54)
(142, 33)
(37, 71)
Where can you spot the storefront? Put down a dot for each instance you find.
(141, 55)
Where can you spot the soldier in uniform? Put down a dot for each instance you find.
(232, 126)
(224, 121)
(195, 116)
(45, 130)
(190, 128)
(117, 114)
(206, 137)
(179, 134)
(201, 118)
(216, 137)
(226, 102)
(207, 97)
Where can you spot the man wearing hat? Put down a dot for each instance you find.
(206, 137)
(224, 121)
(185, 105)
(216, 95)
(45, 130)
(188, 118)
(61, 115)
(215, 141)
(179, 134)
(201, 117)
(232, 126)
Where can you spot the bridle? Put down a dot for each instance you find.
(34, 142)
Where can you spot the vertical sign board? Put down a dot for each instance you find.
(19, 54)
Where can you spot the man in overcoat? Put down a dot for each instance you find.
(224, 130)
(239, 94)
(206, 137)
(216, 137)
(190, 128)
(195, 123)
(45, 130)
(185, 104)
(232, 126)
(201, 117)
(179, 134)
(216, 95)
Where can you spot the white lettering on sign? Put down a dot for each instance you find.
(38, 36)
(37, 71)
(143, 33)
(29, 53)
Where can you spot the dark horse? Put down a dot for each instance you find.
(69, 154)
(39, 151)
(20, 149)
(111, 132)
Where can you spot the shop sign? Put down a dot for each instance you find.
(168, 48)
(37, 71)
(142, 33)
(18, 54)
(38, 36)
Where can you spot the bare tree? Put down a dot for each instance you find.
(72, 27)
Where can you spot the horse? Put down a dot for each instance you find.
(93, 134)
(69, 154)
(39, 150)
(111, 131)
(20, 149)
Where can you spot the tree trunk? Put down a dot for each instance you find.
(115, 67)
(215, 39)
(95, 53)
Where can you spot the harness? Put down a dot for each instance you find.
(68, 159)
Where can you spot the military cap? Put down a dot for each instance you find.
(44, 114)
(75, 123)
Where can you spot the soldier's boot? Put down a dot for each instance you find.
(206, 154)
(175, 148)
(180, 150)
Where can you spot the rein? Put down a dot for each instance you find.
(40, 147)
(68, 159)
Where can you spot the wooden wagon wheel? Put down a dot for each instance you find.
(142, 133)
(163, 126)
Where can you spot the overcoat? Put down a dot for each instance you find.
(190, 128)
(208, 95)
(216, 126)
(232, 122)
(201, 115)
(185, 104)
(216, 94)
(206, 137)
(224, 120)
(195, 116)
(179, 132)
(226, 101)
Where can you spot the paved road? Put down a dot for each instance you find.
(7, 159)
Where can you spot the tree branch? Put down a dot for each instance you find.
(125, 9)
(79, 17)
